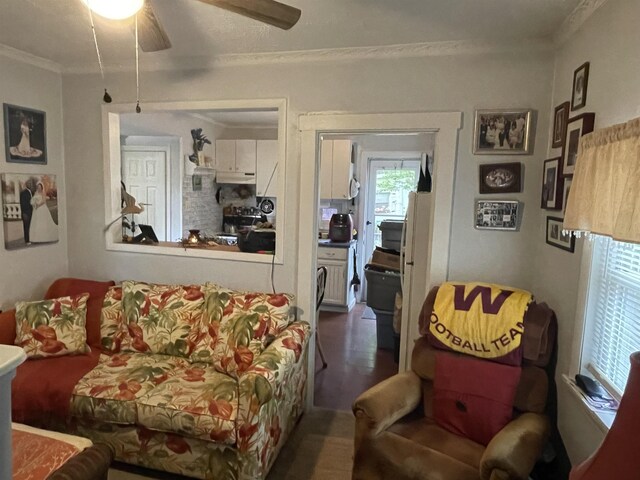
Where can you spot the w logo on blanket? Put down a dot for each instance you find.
(478, 319)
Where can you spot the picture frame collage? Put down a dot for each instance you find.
(558, 171)
(30, 214)
(501, 132)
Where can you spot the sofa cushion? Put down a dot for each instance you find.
(109, 391)
(197, 402)
(114, 335)
(237, 326)
(52, 328)
(162, 318)
(74, 286)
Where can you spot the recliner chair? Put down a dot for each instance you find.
(397, 438)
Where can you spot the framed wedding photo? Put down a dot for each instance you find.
(25, 135)
(558, 238)
(552, 185)
(560, 125)
(502, 132)
(500, 178)
(576, 127)
(580, 82)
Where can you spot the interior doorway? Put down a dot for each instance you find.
(312, 126)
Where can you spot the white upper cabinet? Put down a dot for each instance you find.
(336, 169)
(237, 156)
(266, 168)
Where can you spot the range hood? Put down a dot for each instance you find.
(241, 178)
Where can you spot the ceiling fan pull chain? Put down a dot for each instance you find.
(106, 97)
(138, 109)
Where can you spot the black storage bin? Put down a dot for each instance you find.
(381, 288)
(384, 329)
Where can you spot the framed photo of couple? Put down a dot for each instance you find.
(29, 210)
(502, 132)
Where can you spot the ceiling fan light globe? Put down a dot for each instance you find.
(115, 9)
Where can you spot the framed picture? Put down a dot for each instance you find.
(502, 132)
(557, 238)
(501, 178)
(565, 193)
(552, 186)
(29, 210)
(25, 135)
(560, 125)
(576, 127)
(497, 215)
(580, 82)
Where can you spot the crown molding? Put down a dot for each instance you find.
(413, 50)
(576, 19)
(30, 59)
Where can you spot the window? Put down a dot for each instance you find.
(613, 313)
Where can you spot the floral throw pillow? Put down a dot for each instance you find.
(237, 326)
(162, 319)
(52, 328)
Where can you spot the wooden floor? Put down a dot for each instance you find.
(355, 362)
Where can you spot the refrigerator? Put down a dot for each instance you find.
(414, 268)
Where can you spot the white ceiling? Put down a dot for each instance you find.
(58, 30)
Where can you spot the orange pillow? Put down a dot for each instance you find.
(52, 328)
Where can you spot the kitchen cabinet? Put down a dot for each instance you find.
(266, 168)
(336, 169)
(339, 294)
(236, 156)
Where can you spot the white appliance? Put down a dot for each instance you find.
(414, 270)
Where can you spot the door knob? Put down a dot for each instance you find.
(368, 222)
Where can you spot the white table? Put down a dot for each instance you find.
(10, 358)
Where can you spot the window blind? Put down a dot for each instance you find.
(614, 311)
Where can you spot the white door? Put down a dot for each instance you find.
(145, 176)
(326, 169)
(266, 172)
(388, 187)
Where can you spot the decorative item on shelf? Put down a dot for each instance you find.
(497, 215)
(558, 237)
(576, 127)
(560, 119)
(25, 135)
(199, 141)
(552, 185)
(501, 178)
(579, 91)
(194, 236)
(502, 132)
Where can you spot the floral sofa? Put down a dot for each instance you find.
(196, 380)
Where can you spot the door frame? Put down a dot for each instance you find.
(311, 126)
(166, 149)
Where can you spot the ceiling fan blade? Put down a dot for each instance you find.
(266, 11)
(151, 35)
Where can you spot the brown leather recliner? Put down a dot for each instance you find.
(396, 437)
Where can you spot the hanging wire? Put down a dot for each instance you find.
(106, 97)
(138, 109)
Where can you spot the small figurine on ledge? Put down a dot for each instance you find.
(199, 141)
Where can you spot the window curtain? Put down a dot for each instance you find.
(605, 194)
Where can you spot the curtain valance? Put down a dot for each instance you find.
(605, 193)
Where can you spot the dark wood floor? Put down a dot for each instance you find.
(355, 362)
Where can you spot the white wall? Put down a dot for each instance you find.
(25, 274)
(609, 41)
(430, 84)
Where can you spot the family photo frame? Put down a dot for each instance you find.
(552, 185)
(580, 83)
(576, 127)
(25, 135)
(557, 237)
(500, 177)
(560, 119)
(497, 215)
(502, 132)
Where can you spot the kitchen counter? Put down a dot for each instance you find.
(325, 242)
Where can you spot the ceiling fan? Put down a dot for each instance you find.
(152, 36)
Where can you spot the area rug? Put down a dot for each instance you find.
(320, 448)
(368, 314)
